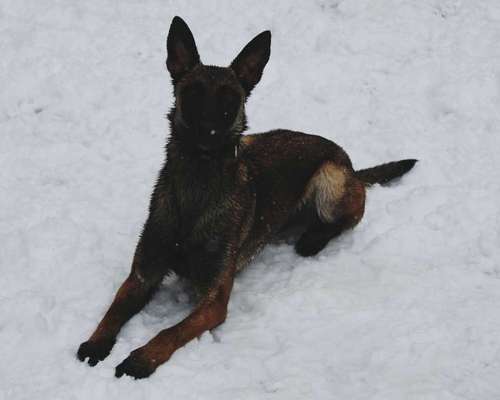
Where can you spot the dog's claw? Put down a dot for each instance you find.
(95, 351)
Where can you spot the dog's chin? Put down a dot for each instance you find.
(212, 150)
(206, 148)
(215, 146)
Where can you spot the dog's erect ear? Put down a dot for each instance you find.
(250, 63)
(182, 55)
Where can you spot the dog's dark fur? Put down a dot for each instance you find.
(221, 197)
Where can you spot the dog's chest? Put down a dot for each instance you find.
(199, 200)
(200, 239)
(198, 195)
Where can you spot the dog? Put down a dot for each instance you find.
(222, 196)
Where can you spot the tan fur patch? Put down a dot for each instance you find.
(356, 200)
(326, 188)
(247, 140)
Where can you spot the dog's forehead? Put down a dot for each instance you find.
(212, 75)
(218, 74)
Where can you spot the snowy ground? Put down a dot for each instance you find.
(407, 306)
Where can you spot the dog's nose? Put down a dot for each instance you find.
(208, 128)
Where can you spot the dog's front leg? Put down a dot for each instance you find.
(148, 268)
(130, 298)
(210, 313)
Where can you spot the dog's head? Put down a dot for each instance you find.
(210, 101)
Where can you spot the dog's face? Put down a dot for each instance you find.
(210, 100)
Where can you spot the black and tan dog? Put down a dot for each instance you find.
(221, 197)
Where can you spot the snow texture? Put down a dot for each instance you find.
(406, 306)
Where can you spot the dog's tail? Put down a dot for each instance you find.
(385, 172)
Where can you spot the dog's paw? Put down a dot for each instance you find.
(309, 245)
(95, 350)
(136, 365)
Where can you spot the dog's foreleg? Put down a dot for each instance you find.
(129, 300)
(131, 297)
(210, 313)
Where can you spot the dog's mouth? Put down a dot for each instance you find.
(218, 148)
(210, 144)
(208, 140)
(205, 148)
(212, 139)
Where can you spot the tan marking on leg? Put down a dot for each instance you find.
(326, 188)
(355, 200)
(210, 313)
(129, 299)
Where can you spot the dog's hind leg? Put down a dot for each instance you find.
(318, 234)
(338, 201)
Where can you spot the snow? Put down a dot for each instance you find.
(406, 306)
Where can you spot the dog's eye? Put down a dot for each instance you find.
(193, 91)
(192, 98)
